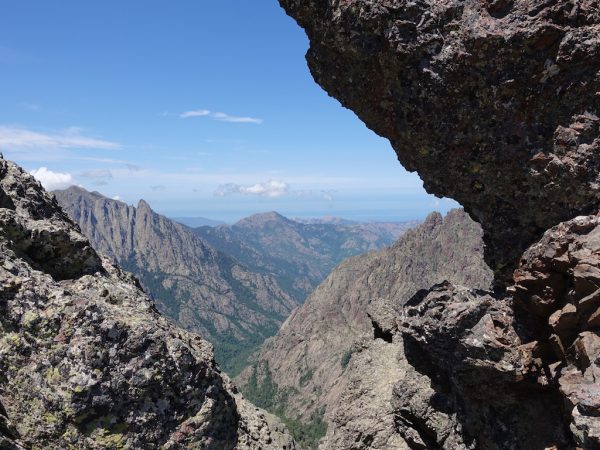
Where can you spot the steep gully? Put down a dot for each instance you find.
(496, 104)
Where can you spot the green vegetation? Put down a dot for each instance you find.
(346, 358)
(306, 377)
(264, 393)
(307, 434)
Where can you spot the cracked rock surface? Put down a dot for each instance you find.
(494, 103)
(85, 359)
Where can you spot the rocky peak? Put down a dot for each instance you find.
(33, 226)
(85, 359)
(144, 207)
(259, 220)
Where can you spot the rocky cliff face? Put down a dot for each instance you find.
(85, 359)
(496, 104)
(200, 287)
(310, 366)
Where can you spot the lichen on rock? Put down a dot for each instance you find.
(86, 361)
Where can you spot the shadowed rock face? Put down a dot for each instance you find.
(494, 103)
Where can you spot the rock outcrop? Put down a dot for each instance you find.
(497, 105)
(509, 366)
(86, 361)
(324, 359)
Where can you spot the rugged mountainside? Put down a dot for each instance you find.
(309, 364)
(496, 104)
(300, 255)
(201, 288)
(85, 359)
(233, 285)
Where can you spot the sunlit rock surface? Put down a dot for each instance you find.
(85, 359)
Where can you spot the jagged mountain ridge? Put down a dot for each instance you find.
(233, 285)
(300, 254)
(308, 361)
(86, 361)
(201, 288)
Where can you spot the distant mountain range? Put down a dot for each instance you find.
(234, 285)
(299, 254)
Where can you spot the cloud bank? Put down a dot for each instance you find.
(271, 189)
(53, 180)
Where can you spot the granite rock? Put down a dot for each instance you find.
(86, 361)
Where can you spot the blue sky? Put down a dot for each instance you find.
(202, 108)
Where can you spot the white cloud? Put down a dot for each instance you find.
(117, 197)
(23, 138)
(271, 189)
(220, 116)
(235, 119)
(195, 113)
(327, 195)
(53, 180)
